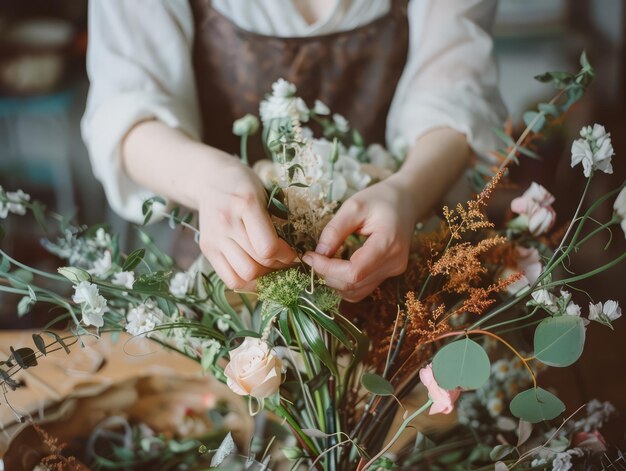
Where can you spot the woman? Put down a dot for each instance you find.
(168, 77)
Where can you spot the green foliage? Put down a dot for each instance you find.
(535, 405)
(376, 384)
(559, 341)
(133, 259)
(283, 287)
(461, 364)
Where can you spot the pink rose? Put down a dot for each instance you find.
(254, 370)
(443, 400)
(535, 209)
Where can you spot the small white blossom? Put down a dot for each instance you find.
(378, 155)
(594, 150)
(501, 369)
(283, 89)
(562, 462)
(282, 104)
(605, 313)
(620, 208)
(341, 123)
(102, 266)
(249, 124)
(545, 299)
(144, 318)
(14, 203)
(181, 283)
(103, 238)
(222, 323)
(124, 278)
(320, 108)
(93, 305)
(572, 309)
(495, 406)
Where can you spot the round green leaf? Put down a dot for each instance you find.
(559, 341)
(376, 384)
(536, 405)
(461, 364)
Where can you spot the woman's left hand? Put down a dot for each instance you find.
(387, 214)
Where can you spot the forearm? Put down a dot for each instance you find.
(170, 163)
(433, 165)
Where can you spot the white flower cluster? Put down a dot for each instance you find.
(13, 202)
(604, 313)
(144, 318)
(93, 305)
(594, 150)
(283, 104)
(598, 413)
(620, 208)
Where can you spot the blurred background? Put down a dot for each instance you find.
(43, 87)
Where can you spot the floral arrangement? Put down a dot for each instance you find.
(341, 378)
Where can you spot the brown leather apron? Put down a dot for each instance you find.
(354, 72)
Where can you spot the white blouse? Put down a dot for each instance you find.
(140, 66)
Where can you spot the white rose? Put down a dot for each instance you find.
(254, 370)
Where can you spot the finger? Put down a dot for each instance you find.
(358, 295)
(241, 237)
(263, 237)
(366, 260)
(243, 264)
(225, 271)
(348, 220)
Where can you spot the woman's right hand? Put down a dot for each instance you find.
(236, 233)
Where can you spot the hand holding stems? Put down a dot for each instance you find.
(387, 213)
(236, 233)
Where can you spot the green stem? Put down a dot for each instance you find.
(244, 149)
(401, 429)
(282, 412)
(52, 276)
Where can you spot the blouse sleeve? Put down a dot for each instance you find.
(139, 67)
(450, 78)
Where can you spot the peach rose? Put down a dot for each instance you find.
(443, 400)
(254, 370)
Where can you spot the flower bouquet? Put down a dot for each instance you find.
(351, 381)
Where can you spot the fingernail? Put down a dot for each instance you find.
(308, 260)
(322, 249)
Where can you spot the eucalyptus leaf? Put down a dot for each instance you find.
(40, 343)
(537, 120)
(559, 341)
(376, 384)
(536, 405)
(461, 364)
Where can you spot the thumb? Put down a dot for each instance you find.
(345, 222)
